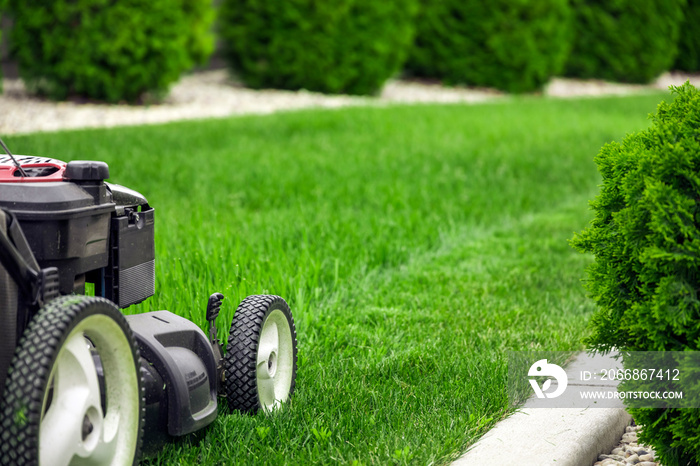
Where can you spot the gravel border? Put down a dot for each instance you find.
(628, 451)
(212, 93)
(207, 94)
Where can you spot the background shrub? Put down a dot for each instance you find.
(344, 46)
(108, 50)
(199, 16)
(646, 241)
(511, 45)
(688, 58)
(624, 40)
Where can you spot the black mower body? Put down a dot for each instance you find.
(65, 227)
(91, 231)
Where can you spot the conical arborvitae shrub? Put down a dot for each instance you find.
(624, 40)
(516, 46)
(646, 241)
(340, 46)
(108, 50)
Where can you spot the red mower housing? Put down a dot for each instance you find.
(38, 169)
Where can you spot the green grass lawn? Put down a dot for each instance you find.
(415, 245)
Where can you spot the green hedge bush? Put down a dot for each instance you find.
(106, 50)
(624, 40)
(344, 46)
(688, 58)
(511, 45)
(646, 241)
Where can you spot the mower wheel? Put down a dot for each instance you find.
(261, 355)
(74, 393)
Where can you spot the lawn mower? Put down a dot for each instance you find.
(80, 382)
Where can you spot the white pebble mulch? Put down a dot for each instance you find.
(201, 95)
(628, 452)
(214, 94)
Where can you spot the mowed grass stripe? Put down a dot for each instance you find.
(410, 367)
(415, 244)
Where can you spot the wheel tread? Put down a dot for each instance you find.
(240, 358)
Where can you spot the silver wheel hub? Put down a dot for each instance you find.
(275, 361)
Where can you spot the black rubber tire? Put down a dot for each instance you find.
(241, 356)
(30, 376)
